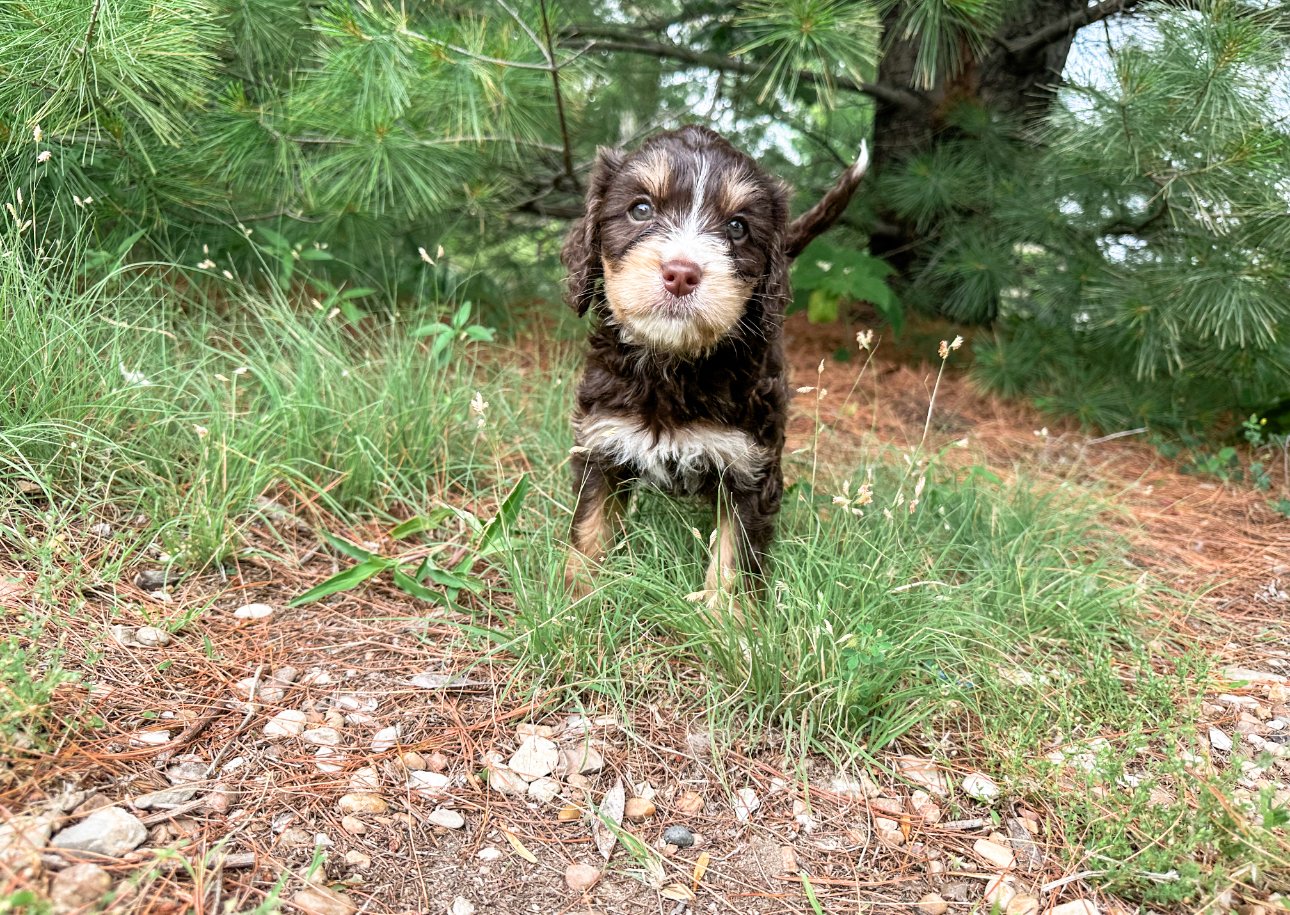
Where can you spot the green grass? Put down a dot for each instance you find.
(996, 618)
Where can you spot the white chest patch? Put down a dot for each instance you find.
(677, 459)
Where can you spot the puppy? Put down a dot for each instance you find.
(683, 256)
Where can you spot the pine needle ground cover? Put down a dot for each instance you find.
(940, 611)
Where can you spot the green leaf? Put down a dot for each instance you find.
(478, 333)
(409, 584)
(822, 307)
(344, 581)
(434, 329)
(421, 523)
(357, 292)
(504, 519)
(275, 239)
(345, 547)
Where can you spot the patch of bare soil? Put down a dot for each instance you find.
(356, 755)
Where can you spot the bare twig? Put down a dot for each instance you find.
(1060, 28)
(549, 50)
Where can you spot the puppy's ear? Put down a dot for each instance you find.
(774, 287)
(581, 251)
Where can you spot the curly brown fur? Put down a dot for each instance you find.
(682, 256)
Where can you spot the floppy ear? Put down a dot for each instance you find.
(774, 287)
(581, 251)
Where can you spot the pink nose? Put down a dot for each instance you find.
(681, 277)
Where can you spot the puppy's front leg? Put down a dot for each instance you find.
(741, 541)
(597, 518)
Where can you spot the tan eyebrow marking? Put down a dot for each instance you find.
(736, 192)
(654, 172)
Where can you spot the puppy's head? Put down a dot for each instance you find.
(679, 241)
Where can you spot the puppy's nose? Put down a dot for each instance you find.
(681, 277)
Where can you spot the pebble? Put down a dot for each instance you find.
(414, 761)
(101, 529)
(691, 802)
(923, 772)
(999, 892)
(167, 797)
(503, 780)
(318, 900)
(365, 779)
(746, 801)
(436, 762)
(679, 836)
(932, 904)
(362, 804)
(1023, 905)
(581, 877)
(638, 810)
(221, 798)
(998, 855)
(153, 738)
(544, 790)
(110, 832)
(429, 782)
(322, 737)
(1220, 741)
(488, 853)
(151, 636)
(153, 580)
(448, 819)
(356, 859)
(569, 814)
(287, 723)
(253, 612)
(1077, 907)
(353, 825)
(21, 839)
(461, 906)
(980, 787)
(329, 760)
(295, 837)
(79, 887)
(386, 738)
(582, 760)
(536, 757)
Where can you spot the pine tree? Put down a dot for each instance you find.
(1125, 243)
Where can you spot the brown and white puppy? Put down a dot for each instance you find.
(683, 255)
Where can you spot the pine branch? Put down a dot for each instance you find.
(1067, 25)
(614, 40)
(549, 51)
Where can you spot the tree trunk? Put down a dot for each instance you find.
(1017, 84)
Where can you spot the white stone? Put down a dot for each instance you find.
(253, 612)
(462, 906)
(322, 737)
(746, 801)
(386, 738)
(151, 636)
(110, 832)
(535, 758)
(544, 790)
(980, 787)
(365, 779)
(1220, 741)
(448, 819)
(428, 782)
(287, 723)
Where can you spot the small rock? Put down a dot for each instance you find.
(503, 780)
(581, 760)
(101, 529)
(362, 804)
(569, 814)
(999, 892)
(1023, 905)
(221, 798)
(448, 819)
(152, 738)
(436, 762)
(980, 787)
(581, 877)
(79, 887)
(356, 859)
(295, 837)
(678, 836)
(536, 757)
(746, 801)
(151, 636)
(287, 723)
(413, 761)
(534, 730)
(319, 900)
(164, 799)
(154, 580)
(1220, 741)
(690, 803)
(366, 779)
(386, 738)
(110, 832)
(1077, 907)
(788, 859)
(253, 612)
(923, 772)
(21, 840)
(461, 906)
(488, 853)
(638, 810)
(544, 790)
(353, 825)
(932, 904)
(428, 782)
(321, 737)
(998, 855)
(329, 760)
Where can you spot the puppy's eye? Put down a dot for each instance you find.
(640, 212)
(737, 229)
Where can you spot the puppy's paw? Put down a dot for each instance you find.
(579, 575)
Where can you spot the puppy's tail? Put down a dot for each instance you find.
(803, 229)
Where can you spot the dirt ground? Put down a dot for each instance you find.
(192, 714)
